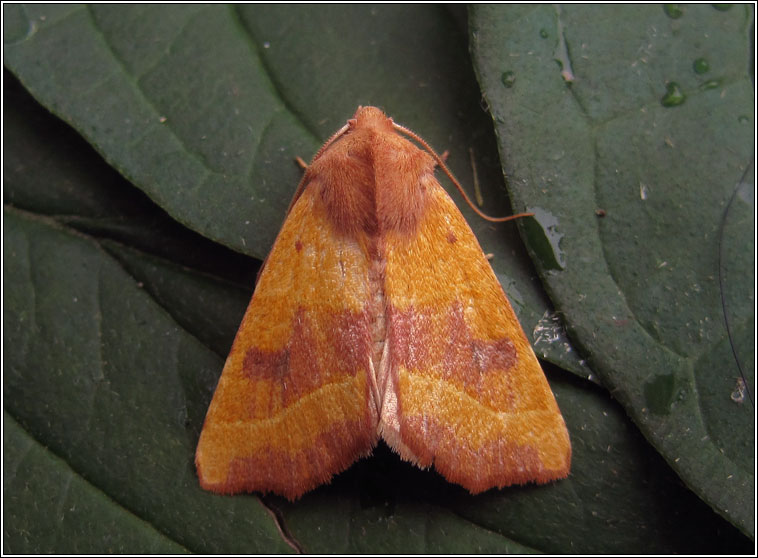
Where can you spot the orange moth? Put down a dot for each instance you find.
(376, 315)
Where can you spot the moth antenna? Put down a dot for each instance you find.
(449, 174)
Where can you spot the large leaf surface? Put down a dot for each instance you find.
(649, 194)
(103, 377)
(205, 108)
(115, 371)
(50, 508)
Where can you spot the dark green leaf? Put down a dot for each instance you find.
(205, 108)
(101, 374)
(48, 508)
(632, 185)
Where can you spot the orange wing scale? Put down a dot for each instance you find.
(471, 396)
(292, 406)
(377, 315)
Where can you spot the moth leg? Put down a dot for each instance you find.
(300, 163)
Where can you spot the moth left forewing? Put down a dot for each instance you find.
(294, 404)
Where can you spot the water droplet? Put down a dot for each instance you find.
(674, 96)
(567, 76)
(544, 34)
(710, 84)
(701, 66)
(722, 7)
(738, 395)
(508, 79)
(674, 11)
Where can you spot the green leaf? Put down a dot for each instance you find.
(630, 177)
(105, 379)
(117, 318)
(79, 189)
(126, 78)
(218, 153)
(49, 508)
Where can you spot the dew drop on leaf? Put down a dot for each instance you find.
(700, 66)
(674, 96)
(710, 84)
(674, 11)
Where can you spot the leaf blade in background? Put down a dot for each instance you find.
(204, 108)
(179, 138)
(49, 508)
(111, 384)
(50, 170)
(601, 132)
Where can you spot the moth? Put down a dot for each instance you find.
(377, 316)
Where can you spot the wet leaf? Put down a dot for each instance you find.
(635, 185)
(205, 108)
